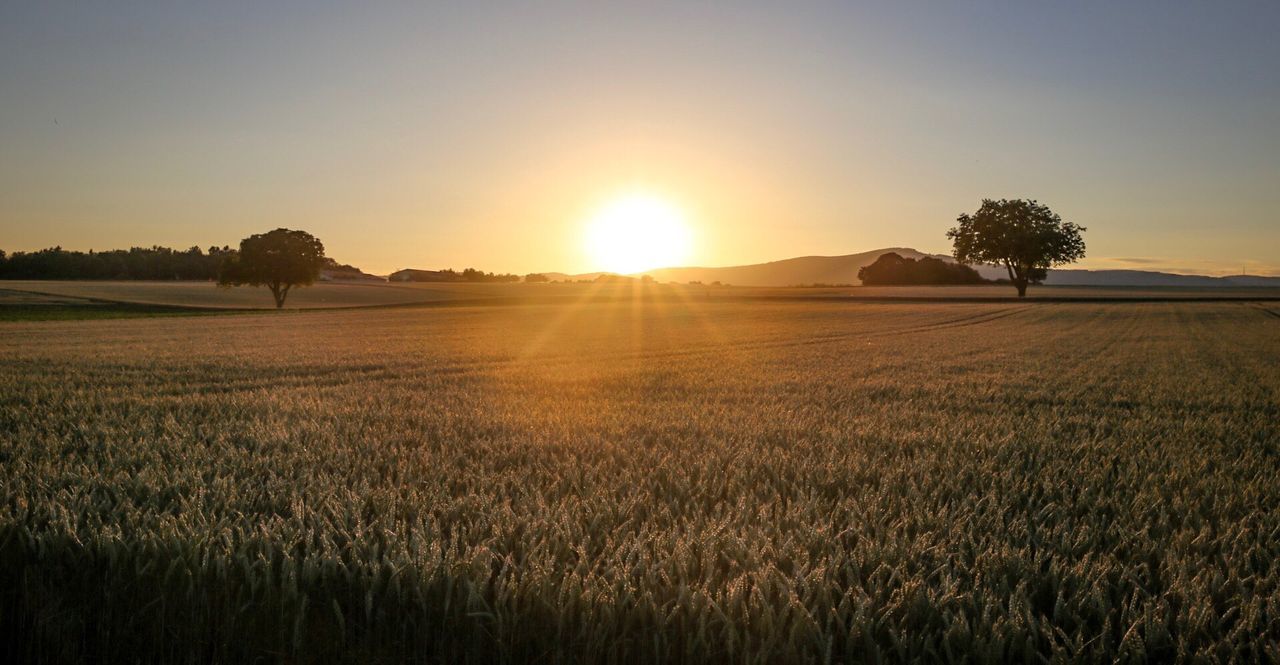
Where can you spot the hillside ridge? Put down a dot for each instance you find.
(843, 269)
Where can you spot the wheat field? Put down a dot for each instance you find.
(677, 481)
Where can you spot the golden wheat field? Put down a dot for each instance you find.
(675, 481)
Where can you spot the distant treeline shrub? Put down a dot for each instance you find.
(333, 266)
(135, 263)
(450, 275)
(893, 270)
(613, 278)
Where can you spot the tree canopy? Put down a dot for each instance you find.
(1025, 237)
(279, 260)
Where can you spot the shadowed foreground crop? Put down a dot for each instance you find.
(632, 482)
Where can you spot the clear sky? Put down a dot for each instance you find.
(484, 135)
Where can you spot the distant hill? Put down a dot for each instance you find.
(1149, 278)
(788, 272)
(807, 270)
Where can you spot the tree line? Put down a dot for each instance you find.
(451, 275)
(156, 263)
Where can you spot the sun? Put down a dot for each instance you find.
(637, 232)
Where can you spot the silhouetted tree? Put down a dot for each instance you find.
(535, 277)
(279, 259)
(1023, 236)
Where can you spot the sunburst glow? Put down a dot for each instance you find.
(637, 232)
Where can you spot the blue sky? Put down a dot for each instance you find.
(435, 136)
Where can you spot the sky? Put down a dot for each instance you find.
(485, 134)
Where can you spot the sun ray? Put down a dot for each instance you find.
(555, 323)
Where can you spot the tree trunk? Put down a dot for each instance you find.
(278, 295)
(1018, 277)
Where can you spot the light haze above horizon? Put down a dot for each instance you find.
(435, 137)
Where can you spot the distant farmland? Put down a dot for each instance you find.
(681, 480)
(325, 295)
(208, 294)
